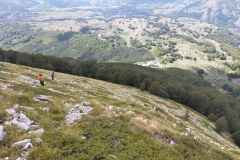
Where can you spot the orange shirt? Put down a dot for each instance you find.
(41, 78)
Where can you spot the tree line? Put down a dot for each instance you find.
(176, 84)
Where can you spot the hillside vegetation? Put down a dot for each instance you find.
(116, 121)
(69, 44)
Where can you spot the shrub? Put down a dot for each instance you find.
(236, 137)
(200, 71)
(227, 87)
(221, 124)
(211, 117)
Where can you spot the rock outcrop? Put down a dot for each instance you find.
(77, 111)
(2, 133)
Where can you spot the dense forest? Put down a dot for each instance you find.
(179, 85)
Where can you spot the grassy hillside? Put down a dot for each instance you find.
(122, 123)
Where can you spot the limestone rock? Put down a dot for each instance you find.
(130, 112)
(56, 91)
(28, 145)
(42, 98)
(28, 80)
(188, 129)
(174, 125)
(6, 86)
(19, 158)
(2, 134)
(21, 143)
(20, 120)
(37, 132)
(11, 111)
(16, 106)
(77, 111)
(38, 140)
(46, 109)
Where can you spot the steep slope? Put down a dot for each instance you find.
(74, 117)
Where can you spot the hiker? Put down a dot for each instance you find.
(41, 79)
(52, 75)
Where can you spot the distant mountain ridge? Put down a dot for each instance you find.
(218, 12)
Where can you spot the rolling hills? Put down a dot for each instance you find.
(132, 32)
(73, 117)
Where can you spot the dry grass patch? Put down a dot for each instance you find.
(142, 124)
(97, 109)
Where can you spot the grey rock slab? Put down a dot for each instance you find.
(42, 98)
(21, 143)
(2, 133)
(37, 132)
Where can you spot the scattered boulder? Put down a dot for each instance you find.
(130, 112)
(37, 132)
(56, 91)
(16, 106)
(28, 80)
(29, 108)
(26, 143)
(11, 111)
(143, 120)
(46, 109)
(172, 142)
(165, 138)
(188, 129)
(174, 125)
(42, 98)
(2, 134)
(27, 146)
(19, 158)
(67, 105)
(6, 86)
(38, 140)
(22, 121)
(77, 111)
(84, 137)
(72, 99)
(110, 108)
(86, 104)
